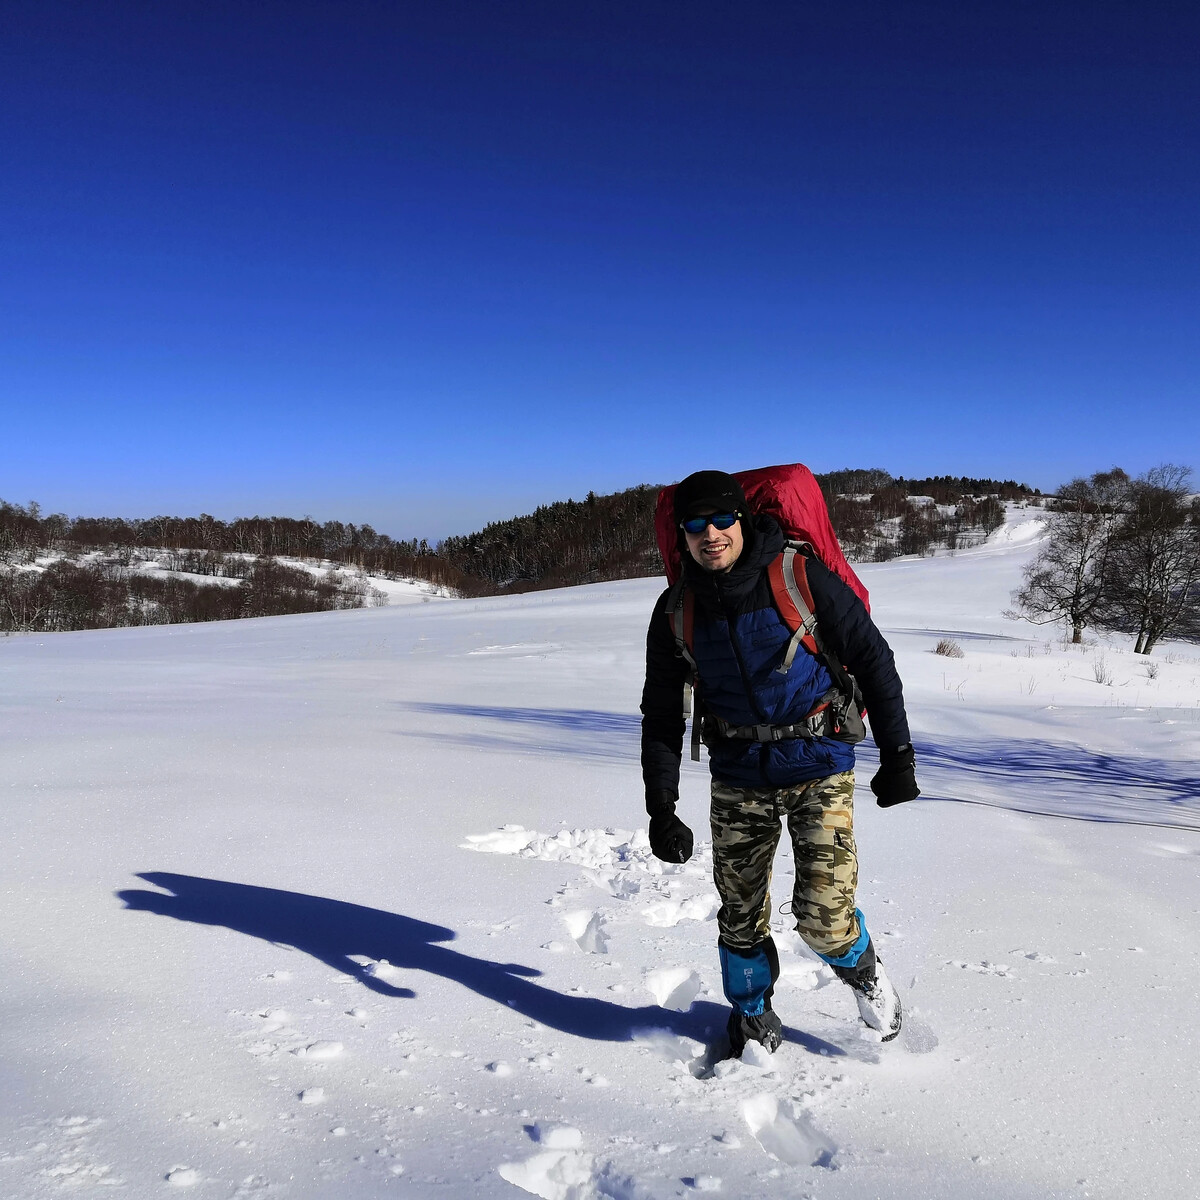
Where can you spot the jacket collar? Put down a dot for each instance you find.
(763, 541)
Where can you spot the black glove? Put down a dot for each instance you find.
(896, 780)
(670, 838)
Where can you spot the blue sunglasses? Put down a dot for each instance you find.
(695, 525)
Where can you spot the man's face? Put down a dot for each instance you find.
(715, 549)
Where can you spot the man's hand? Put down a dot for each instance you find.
(670, 838)
(896, 780)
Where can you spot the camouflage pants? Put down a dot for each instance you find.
(745, 833)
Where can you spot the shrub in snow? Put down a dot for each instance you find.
(948, 649)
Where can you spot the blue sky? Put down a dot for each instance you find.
(427, 265)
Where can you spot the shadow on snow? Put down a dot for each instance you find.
(332, 931)
(592, 733)
(1052, 779)
(1020, 774)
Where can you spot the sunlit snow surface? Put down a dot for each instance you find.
(360, 904)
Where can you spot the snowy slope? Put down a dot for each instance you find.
(157, 562)
(358, 904)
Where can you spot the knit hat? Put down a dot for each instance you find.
(711, 490)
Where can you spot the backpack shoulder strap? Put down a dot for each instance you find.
(681, 616)
(789, 583)
(793, 597)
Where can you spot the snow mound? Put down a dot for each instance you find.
(784, 1133)
(553, 1175)
(595, 849)
(674, 987)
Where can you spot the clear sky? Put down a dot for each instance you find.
(431, 264)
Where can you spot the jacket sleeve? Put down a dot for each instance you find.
(848, 631)
(662, 713)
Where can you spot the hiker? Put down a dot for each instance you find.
(779, 726)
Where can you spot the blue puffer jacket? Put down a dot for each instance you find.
(737, 654)
(739, 641)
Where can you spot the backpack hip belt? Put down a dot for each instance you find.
(815, 724)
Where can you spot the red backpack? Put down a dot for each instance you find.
(793, 497)
(790, 494)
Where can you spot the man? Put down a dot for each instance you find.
(775, 752)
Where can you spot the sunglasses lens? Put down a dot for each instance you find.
(695, 525)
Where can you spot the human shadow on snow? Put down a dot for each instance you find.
(335, 932)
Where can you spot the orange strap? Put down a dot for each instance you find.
(793, 597)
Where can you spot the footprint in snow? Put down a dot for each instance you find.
(252, 1187)
(66, 1154)
(275, 1020)
(983, 968)
(321, 1051)
(668, 1045)
(916, 1035)
(668, 913)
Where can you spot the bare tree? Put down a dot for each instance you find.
(1067, 580)
(1152, 576)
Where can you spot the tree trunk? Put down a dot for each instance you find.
(1076, 633)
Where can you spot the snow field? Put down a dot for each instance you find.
(360, 904)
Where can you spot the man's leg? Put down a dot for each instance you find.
(820, 819)
(745, 831)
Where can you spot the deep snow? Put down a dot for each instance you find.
(358, 904)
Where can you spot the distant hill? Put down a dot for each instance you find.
(89, 576)
(612, 536)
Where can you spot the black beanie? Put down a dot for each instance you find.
(713, 490)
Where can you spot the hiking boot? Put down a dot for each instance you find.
(878, 1004)
(765, 1029)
